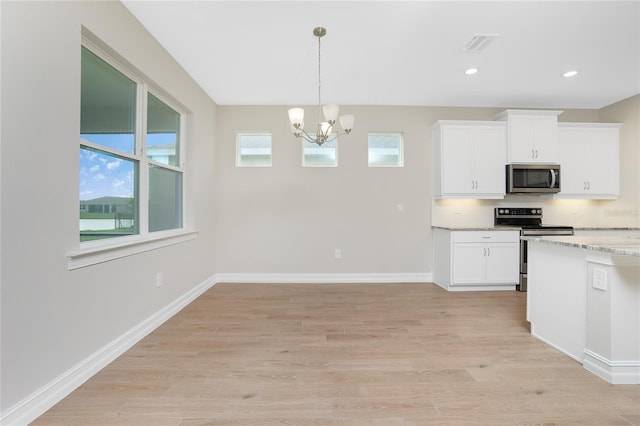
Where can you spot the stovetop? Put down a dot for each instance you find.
(525, 218)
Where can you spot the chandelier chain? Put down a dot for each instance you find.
(319, 91)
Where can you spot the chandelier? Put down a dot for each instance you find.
(325, 128)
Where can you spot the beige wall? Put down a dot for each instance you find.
(54, 319)
(626, 210)
(287, 219)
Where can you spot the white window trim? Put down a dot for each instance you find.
(126, 246)
(239, 149)
(400, 150)
(98, 251)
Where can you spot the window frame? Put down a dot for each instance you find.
(400, 162)
(102, 250)
(239, 136)
(315, 146)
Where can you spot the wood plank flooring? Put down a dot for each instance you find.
(348, 354)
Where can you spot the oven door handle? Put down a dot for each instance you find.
(553, 178)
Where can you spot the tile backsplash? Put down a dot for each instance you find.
(576, 213)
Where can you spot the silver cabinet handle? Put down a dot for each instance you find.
(488, 252)
(584, 187)
(588, 185)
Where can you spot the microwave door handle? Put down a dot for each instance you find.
(553, 178)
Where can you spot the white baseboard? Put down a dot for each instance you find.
(33, 406)
(615, 372)
(325, 278)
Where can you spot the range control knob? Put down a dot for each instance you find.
(501, 211)
(539, 211)
(533, 211)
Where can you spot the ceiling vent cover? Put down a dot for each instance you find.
(479, 42)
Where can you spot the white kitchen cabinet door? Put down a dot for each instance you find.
(532, 136)
(480, 264)
(503, 263)
(489, 155)
(469, 159)
(590, 163)
(457, 164)
(469, 263)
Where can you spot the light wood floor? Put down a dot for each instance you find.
(352, 354)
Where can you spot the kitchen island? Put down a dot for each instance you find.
(584, 300)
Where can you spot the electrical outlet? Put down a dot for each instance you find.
(337, 254)
(599, 279)
(159, 279)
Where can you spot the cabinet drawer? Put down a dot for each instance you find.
(485, 237)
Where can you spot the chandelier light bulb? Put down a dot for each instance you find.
(331, 112)
(296, 116)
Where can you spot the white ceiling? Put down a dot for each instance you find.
(403, 53)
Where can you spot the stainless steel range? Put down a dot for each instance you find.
(529, 220)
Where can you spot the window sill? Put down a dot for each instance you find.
(105, 253)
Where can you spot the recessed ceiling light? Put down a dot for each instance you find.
(570, 73)
(471, 71)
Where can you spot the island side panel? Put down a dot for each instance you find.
(613, 317)
(557, 296)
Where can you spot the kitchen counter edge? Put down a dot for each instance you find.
(615, 245)
(478, 228)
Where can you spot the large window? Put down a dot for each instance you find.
(131, 140)
(386, 150)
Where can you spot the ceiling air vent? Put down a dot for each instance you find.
(479, 42)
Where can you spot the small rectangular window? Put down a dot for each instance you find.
(386, 150)
(325, 155)
(253, 150)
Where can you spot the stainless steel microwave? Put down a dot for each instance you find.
(533, 178)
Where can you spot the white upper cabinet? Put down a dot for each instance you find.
(531, 135)
(589, 157)
(469, 159)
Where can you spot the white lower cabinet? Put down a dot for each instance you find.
(476, 260)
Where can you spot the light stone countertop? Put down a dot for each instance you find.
(604, 228)
(478, 228)
(628, 246)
